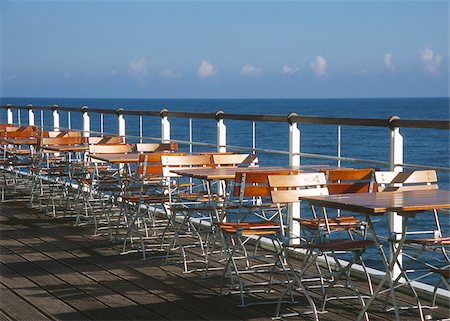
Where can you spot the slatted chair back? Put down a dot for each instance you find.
(63, 133)
(110, 149)
(342, 181)
(178, 162)
(20, 134)
(406, 181)
(150, 164)
(11, 128)
(3, 126)
(156, 147)
(235, 160)
(105, 140)
(288, 188)
(48, 141)
(27, 128)
(248, 184)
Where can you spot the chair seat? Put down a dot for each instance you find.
(445, 240)
(336, 245)
(338, 223)
(257, 228)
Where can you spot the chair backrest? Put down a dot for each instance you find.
(106, 140)
(235, 160)
(48, 141)
(11, 128)
(3, 126)
(171, 162)
(156, 147)
(341, 181)
(150, 164)
(63, 133)
(110, 149)
(405, 181)
(254, 183)
(288, 188)
(27, 128)
(20, 134)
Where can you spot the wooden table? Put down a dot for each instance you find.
(406, 203)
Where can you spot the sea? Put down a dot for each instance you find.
(427, 147)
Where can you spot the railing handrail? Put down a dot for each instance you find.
(291, 118)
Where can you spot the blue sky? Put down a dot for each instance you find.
(224, 49)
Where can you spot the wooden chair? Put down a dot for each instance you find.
(188, 205)
(101, 184)
(235, 160)
(250, 216)
(341, 181)
(142, 206)
(105, 140)
(424, 251)
(62, 133)
(288, 189)
(156, 147)
(51, 173)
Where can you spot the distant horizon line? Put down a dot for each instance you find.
(211, 98)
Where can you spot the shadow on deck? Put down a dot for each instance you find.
(51, 270)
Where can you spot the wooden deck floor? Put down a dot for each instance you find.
(51, 270)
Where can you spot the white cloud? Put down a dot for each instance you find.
(319, 66)
(205, 70)
(168, 74)
(249, 70)
(286, 70)
(387, 61)
(139, 68)
(430, 60)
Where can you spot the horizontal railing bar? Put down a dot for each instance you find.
(292, 118)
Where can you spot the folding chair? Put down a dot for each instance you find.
(52, 173)
(288, 189)
(100, 184)
(425, 252)
(188, 207)
(156, 147)
(342, 181)
(250, 217)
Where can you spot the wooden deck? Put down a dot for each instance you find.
(51, 270)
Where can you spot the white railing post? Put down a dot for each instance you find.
(395, 158)
(294, 160)
(86, 122)
(30, 115)
(121, 122)
(165, 126)
(55, 118)
(221, 133)
(9, 114)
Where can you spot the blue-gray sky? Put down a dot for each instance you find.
(224, 49)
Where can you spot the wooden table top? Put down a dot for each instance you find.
(382, 202)
(117, 158)
(67, 148)
(224, 173)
